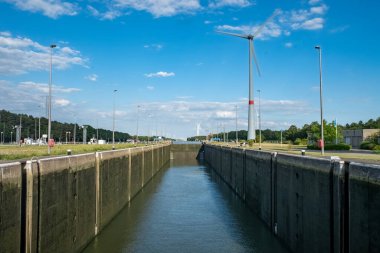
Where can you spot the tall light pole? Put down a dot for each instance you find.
(2, 138)
(236, 126)
(11, 136)
(321, 98)
(259, 91)
(137, 130)
(50, 87)
(113, 124)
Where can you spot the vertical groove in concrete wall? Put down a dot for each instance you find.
(259, 184)
(10, 207)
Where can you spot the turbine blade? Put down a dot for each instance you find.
(275, 13)
(233, 34)
(255, 59)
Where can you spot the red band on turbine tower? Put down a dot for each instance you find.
(251, 102)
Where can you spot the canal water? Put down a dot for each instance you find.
(186, 209)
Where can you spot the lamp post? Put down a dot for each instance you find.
(50, 87)
(137, 130)
(259, 91)
(236, 124)
(113, 120)
(321, 98)
(2, 138)
(11, 136)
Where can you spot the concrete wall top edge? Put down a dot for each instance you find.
(10, 174)
(83, 160)
(105, 155)
(365, 172)
(262, 155)
(305, 162)
(6, 165)
(238, 150)
(48, 165)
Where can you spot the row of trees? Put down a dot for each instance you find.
(311, 132)
(30, 128)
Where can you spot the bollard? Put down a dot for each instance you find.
(69, 152)
(302, 152)
(113, 147)
(259, 148)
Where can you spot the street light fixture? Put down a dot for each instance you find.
(321, 98)
(113, 124)
(50, 87)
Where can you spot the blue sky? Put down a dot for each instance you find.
(165, 57)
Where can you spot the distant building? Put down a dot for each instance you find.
(356, 137)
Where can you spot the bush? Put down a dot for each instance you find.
(250, 143)
(300, 141)
(297, 141)
(367, 145)
(340, 146)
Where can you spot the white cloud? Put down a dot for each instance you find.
(92, 77)
(234, 3)
(110, 14)
(5, 34)
(19, 55)
(154, 46)
(312, 24)
(161, 8)
(312, 2)
(271, 30)
(288, 44)
(149, 87)
(29, 97)
(50, 8)
(62, 102)
(160, 74)
(319, 9)
(207, 22)
(284, 22)
(44, 87)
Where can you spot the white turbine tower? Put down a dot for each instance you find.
(198, 129)
(250, 38)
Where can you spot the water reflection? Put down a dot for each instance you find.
(186, 209)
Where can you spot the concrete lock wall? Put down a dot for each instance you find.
(59, 204)
(311, 204)
(364, 208)
(10, 207)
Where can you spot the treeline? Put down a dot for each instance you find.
(30, 127)
(294, 134)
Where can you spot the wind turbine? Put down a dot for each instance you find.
(250, 38)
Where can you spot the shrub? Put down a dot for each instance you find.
(297, 141)
(367, 145)
(340, 146)
(250, 143)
